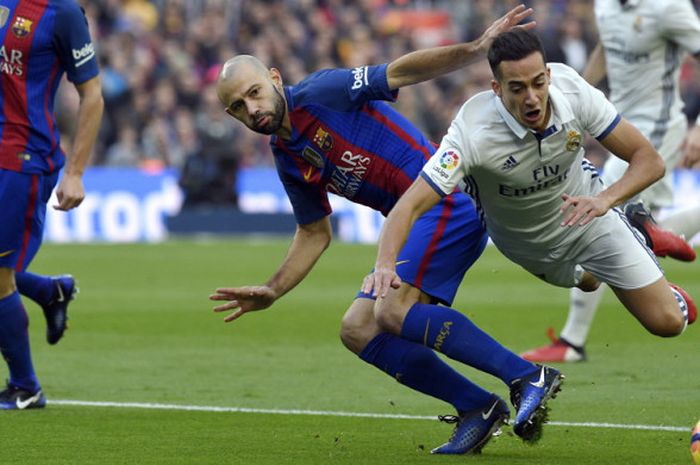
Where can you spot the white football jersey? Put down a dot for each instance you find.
(516, 177)
(645, 42)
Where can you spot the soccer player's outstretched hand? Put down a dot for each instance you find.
(243, 299)
(379, 281)
(70, 192)
(505, 24)
(579, 211)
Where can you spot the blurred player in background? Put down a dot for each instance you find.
(518, 149)
(642, 43)
(41, 40)
(332, 133)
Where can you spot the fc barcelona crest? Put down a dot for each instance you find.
(323, 139)
(22, 27)
(573, 141)
(4, 14)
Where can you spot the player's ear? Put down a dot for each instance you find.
(496, 87)
(276, 76)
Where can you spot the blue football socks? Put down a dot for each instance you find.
(450, 332)
(40, 289)
(14, 343)
(419, 368)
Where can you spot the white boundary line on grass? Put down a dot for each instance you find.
(201, 408)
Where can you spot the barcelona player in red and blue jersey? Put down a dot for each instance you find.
(333, 132)
(40, 41)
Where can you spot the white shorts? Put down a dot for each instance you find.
(610, 249)
(659, 194)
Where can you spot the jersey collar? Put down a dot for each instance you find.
(561, 113)
(630, 4)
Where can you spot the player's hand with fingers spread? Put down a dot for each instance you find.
(506, 23)
(243, 299)
(380, 280)
(579, 211)
(70, 192)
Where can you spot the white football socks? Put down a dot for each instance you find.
(685, 222)
(582, 310)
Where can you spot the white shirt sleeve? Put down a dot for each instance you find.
(680, 24)
(450, 163)
(596, 113)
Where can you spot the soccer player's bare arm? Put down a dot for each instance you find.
(645, 167)
(418, 199)
(308, 244)
(423, 65)
(70, 192)
(645, 164)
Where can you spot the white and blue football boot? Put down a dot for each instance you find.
(529, 396)
(14, 398)
(474, 428)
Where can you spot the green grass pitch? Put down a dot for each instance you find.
(142, 331)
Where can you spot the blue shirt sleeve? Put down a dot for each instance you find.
(73, 43)
(344, 89)
(309, 202)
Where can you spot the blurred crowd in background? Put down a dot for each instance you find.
(160, 59)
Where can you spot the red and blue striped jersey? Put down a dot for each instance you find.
(347, 141)
(40, 41)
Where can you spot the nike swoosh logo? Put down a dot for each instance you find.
(308, 173)
(61, 297)
(402, 262)
(485, 415)
(540, 382)
(4, 254)
(22, 404)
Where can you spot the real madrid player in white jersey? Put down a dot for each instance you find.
(517, 149)
(642, 44)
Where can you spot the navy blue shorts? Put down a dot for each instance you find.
(442, 245)
(23, 199)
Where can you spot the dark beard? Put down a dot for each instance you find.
(277, 115)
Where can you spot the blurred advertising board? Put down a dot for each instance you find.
(132, 205)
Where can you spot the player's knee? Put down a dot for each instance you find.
(355, 333)
(669, 324)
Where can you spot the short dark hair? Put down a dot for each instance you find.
(513, 45)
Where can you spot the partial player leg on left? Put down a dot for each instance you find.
(22, 216)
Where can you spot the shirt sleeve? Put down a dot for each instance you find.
(345, 89)
(73, 43)
(595, 112)
(680, 24)
(450, 164)
(309, 203)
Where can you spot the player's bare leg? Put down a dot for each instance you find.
(658, 308)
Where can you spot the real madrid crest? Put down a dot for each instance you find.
(573, 141)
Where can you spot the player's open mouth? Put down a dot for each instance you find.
(532, 115)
